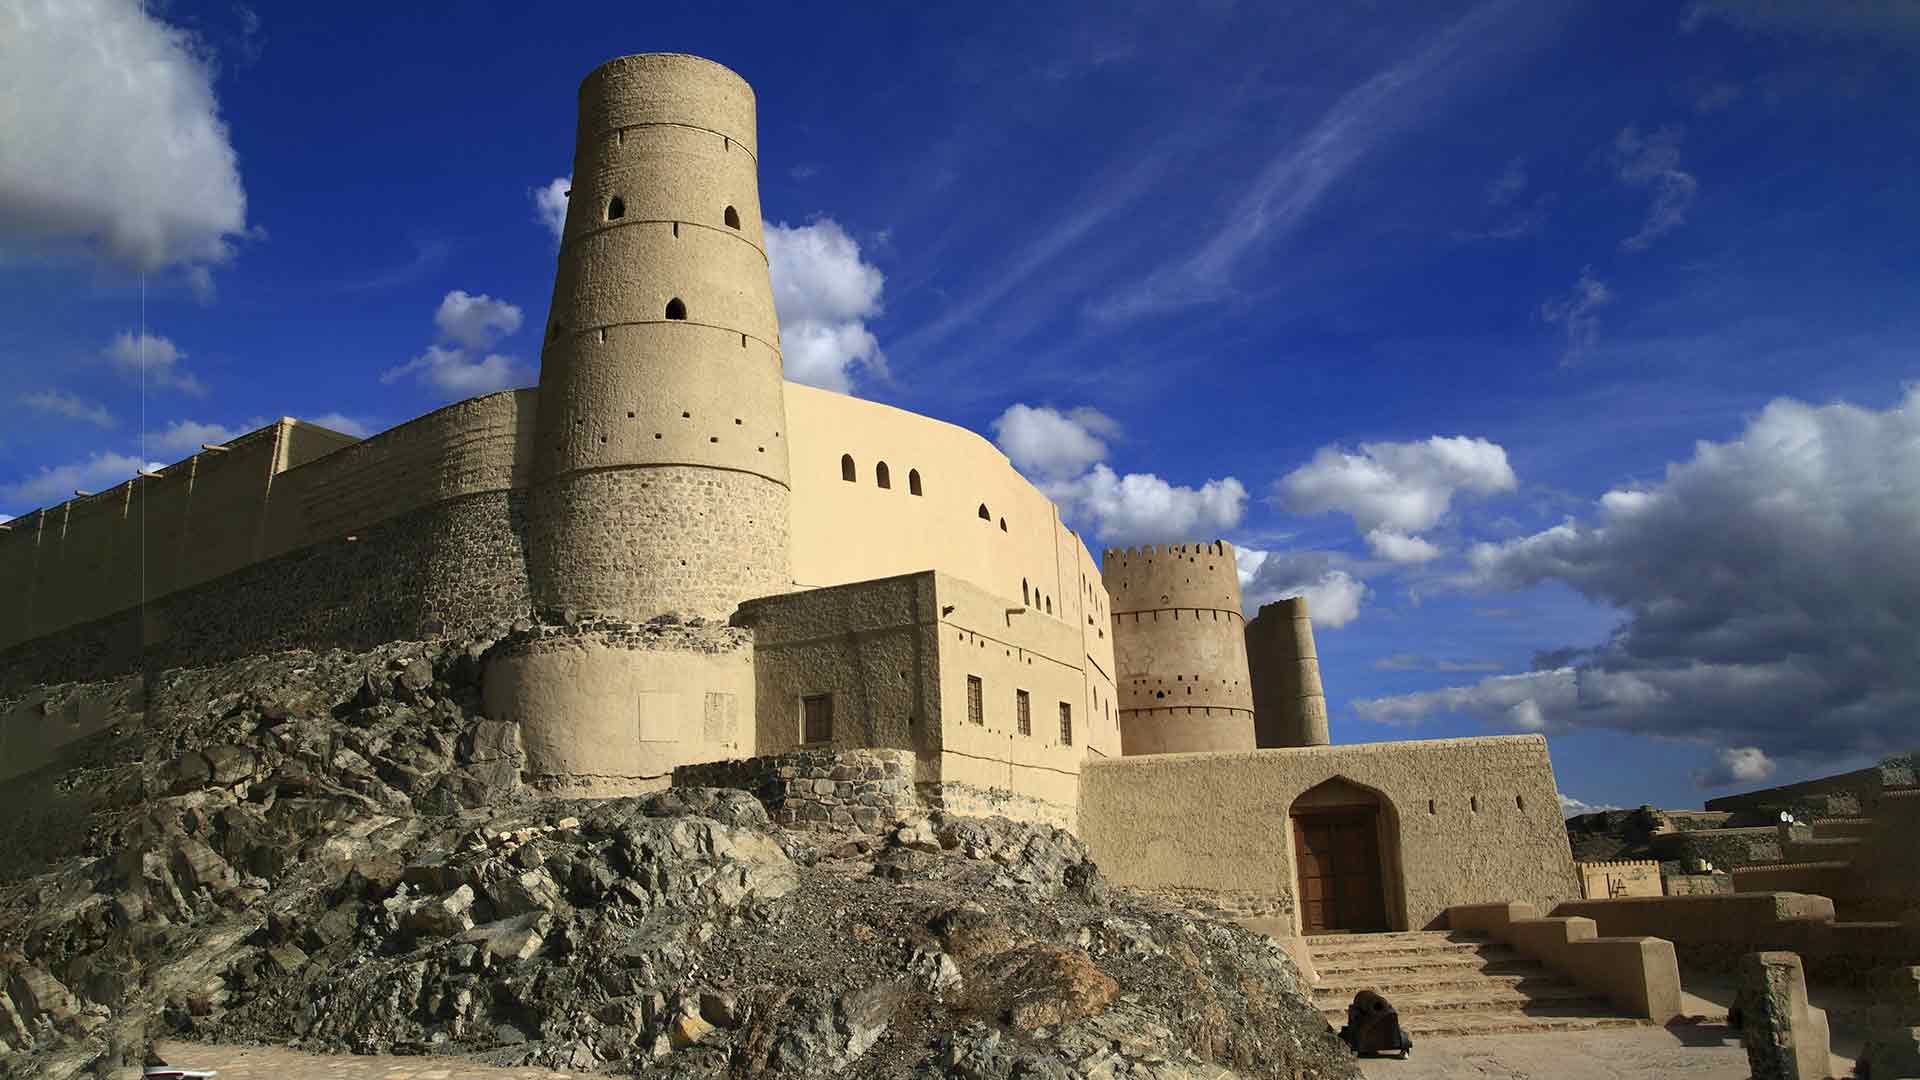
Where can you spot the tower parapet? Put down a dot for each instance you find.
(1289, 703)
(660, 474)
(1179, 642)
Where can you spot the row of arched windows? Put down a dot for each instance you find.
(987, 515)
(617, 209)
(882, 476)
(1032, 597)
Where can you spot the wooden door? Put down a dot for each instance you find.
(1337, 857)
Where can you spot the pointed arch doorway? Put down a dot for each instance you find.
(1340, 856)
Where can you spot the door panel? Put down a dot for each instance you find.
(1337, 858)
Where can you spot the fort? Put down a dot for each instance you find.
(814, 572)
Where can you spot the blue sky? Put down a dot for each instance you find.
(1392, 295)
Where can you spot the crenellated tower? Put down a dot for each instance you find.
(1179, 644)
(1289, 703)
(660, 475)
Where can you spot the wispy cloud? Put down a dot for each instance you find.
(71, 406)
(1295, 180)
(1653, 162)
(1579, 311)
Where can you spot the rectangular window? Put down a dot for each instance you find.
(816, 718)
(1066, 724)
(976, 713)
(1023, 712)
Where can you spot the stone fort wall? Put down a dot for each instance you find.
(1179, 641)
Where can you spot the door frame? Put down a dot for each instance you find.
(1373, 814)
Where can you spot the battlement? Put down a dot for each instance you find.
(1161, 577)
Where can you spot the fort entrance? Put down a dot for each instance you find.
(1337, 858)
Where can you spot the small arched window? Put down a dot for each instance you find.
(984, 516)
(1003, 524)
(676, 308)
(913, 481)
(732, 218)
(616, 208)
(846, 468)
(1049, 605)
(1024, 598)
(882, 477)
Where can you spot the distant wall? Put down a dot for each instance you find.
(1222, 822)
(1840, 795)
(868, 790)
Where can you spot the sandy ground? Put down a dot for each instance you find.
(1702, 1049)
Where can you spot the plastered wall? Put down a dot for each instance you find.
(1283, 666)
(1180, 643)
(1473, 820)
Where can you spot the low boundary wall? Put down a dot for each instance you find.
(1641, 975)
(867, 790)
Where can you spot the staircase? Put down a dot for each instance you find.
(1446, 983)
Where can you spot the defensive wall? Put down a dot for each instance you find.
(1474, 820)
(1180, 638)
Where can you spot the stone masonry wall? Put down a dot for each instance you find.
(429, 574)
(867, 790)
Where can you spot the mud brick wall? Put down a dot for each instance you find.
(867, 790)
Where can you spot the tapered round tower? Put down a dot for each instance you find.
(1179, 647)
(660, 474)
(1289, 703)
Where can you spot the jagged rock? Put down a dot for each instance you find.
(439, 916)
(1044, 986)
(917, 835)
(228, 765)
(533, 890)
(511, 939)
(722, 1010)
(934, 971)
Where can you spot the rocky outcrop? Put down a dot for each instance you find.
(333, 851)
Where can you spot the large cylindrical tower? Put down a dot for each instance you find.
(660, 474)
(1289, 704)
(1179, 648)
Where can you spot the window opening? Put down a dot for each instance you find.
(732, 218)
(984, 516)
(913, 482)
(1023, 712)
(1066, 724)
(846, 468)
(676, 309)
(616, 208)
(817, 718)
(975, 712)
(882, 477)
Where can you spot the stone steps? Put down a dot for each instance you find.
(1448, 984)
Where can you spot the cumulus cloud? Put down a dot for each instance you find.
(456, 373)
(459, 365)
(1579, 310)
(1653, 162)
(1333, 595)
(342, 423)
(825, 292)
(71, 406)
(1046, 443)
(1770, 597)
(57, 483)
(185, 436)
(476, 322)
(550, 204)
(1393, 490)
(129, 353)
(1572, 807)
(114, 137)
(1141, 508)
(1735, 765)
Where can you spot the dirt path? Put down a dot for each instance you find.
(276, 1063)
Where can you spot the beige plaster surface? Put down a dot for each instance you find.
(601, 719)
(1289, 702)
(1147, 830)
(1180, 648)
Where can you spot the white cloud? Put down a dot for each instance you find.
(185, 436)
(114, 137)
(825, 293)
(1580, 311)
(342, 423)
(1393, 490)
(57, 483)
(1509, 184)
(1052, 445)
(550, 204)
(1769, 595)
(457, 373)
(1572, 807)
(1142, 508)
(161, 357)
(475, 322)
(1333, 596)
(464, 368)
(1416, 662)
(1736, 765)
(70, 406)
(1653, 161)
(1401, 548)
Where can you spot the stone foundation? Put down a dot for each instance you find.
(864, 790)
(974, 801)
